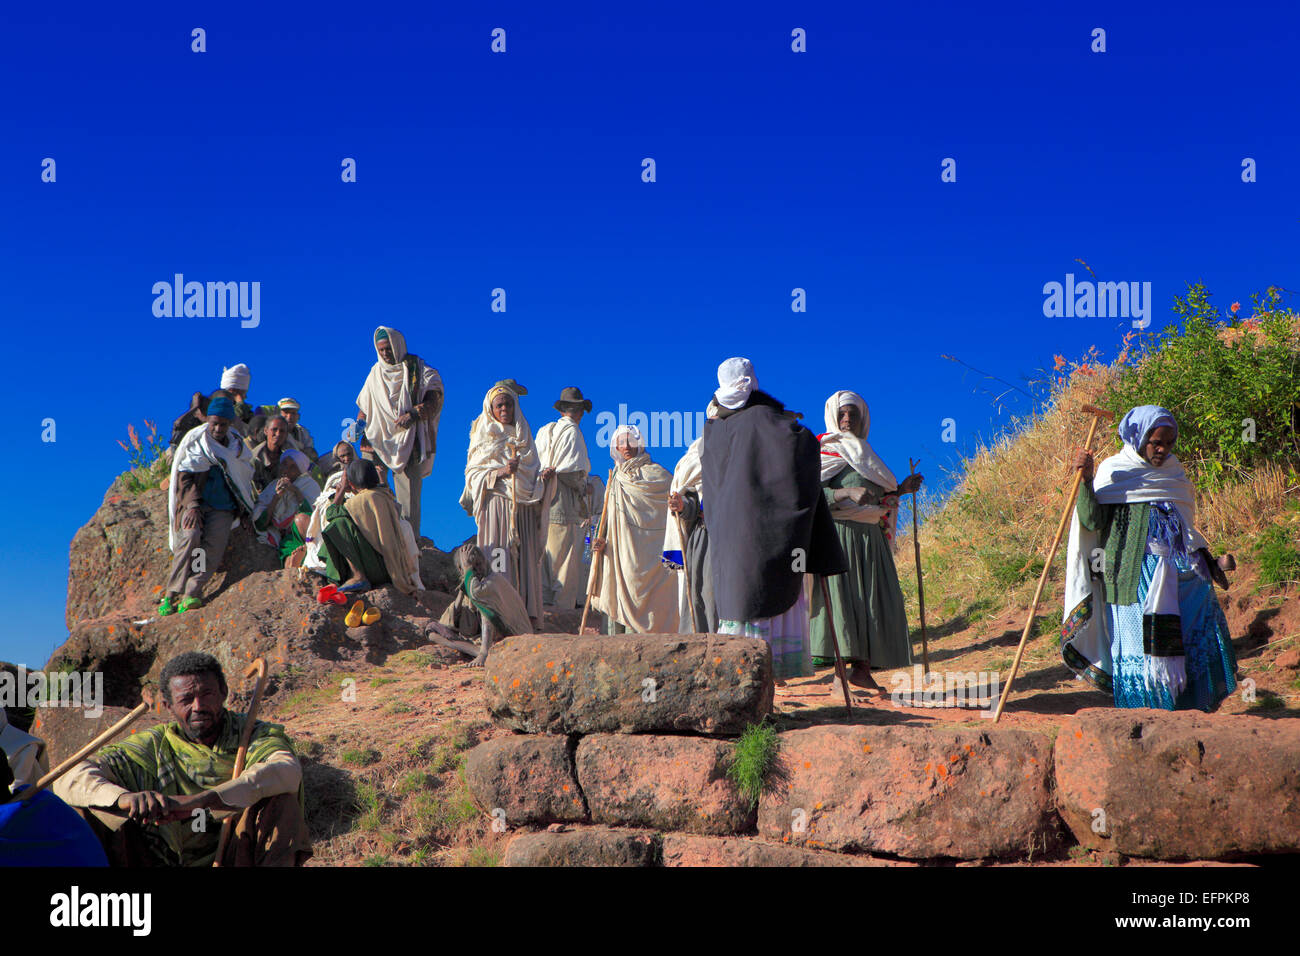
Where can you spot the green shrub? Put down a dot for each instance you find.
(1216, 377)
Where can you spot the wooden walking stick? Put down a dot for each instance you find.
(840, 671)
(258, 667)
(83, 753)
(920, 585)
(1097, 415)
(686, 572)
(595, 561)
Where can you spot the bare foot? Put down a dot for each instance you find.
(860, 676)
(478, 661)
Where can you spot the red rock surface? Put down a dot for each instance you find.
(911, 792)
(1179, 786)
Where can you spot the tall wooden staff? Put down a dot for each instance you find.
(258, 667)
(920, 585)
(1097, 415)
(595, 561)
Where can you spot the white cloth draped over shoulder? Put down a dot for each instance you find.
(387, 395)
(687, 476)
(491, 446)
(198, 452)
(282, 511)
(635, 588)
(1123, 478)
(842, 450)
(560, 445)
(313, 560)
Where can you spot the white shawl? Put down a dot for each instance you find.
(386, 396)
(313, 559)
(1123, 478)
(635, 588)
(491, 446)
(842, 450)
(283, 510)
(198, 452)
(560, 445)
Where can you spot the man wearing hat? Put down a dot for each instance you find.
(563, 452)
(299, 438)
(211, 484)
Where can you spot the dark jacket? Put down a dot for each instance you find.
(768, 520)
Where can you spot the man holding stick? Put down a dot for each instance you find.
(151, 798)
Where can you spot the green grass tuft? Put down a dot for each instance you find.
(753, 758)
(1279, 558)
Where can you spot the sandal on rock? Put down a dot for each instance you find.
(166, 606)
(357, 588)
(353, 618)
(189, 604)
(371, 615)
(329, 594)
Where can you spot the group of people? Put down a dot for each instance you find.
(763, 529)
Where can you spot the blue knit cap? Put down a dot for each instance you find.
(222, 407)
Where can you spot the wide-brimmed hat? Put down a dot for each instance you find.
(572, 395)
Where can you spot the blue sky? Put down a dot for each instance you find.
(775, 170)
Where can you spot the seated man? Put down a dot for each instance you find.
(486, 603)
(151, 797)
(299, 437)
(283, 511)
(366, 542)
(211, 484)
(266, 456)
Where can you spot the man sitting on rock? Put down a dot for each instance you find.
(151, 798)
(366, 542)
(211, 484)
(266, 456)
(486, 603)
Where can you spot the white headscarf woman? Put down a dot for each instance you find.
(508, 501)
(842, 449)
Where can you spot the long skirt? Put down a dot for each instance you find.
(1210, 659)
(699, 589)
(345, 550)
(870, 619)
(521, 564)
(786, 634)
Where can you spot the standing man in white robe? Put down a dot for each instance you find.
(400, 405)
(563, 453)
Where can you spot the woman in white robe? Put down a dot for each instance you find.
(635, 590)
(506, 496)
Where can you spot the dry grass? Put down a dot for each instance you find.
(983, 546)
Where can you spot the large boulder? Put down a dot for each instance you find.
(559, 683)
(529, 779)
(666, 783)
(119, 560)
(585, 846)
(912, 792)
(1179, 786)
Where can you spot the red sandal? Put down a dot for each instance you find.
(329, 594)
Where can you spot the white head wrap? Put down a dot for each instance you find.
(298, 458)
(235, 377)
(736, 380)
(634, 438)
